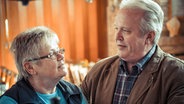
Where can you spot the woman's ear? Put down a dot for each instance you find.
(29, 68)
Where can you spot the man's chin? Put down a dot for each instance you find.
(122, 55)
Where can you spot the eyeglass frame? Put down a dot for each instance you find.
(60, 51)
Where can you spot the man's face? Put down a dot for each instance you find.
(131, 43)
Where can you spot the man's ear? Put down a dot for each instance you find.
(29, 68)
(150, 37)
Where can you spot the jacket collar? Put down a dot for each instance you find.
(147, 77)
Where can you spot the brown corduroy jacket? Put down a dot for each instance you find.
(161, 81)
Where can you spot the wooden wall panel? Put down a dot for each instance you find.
(13, 23)
(22, 12)
(56, 16)
(31, 14)
(79, 27)
(102, 29)
(2, 29)
(93, 32)
(39, 12)
(47, 12)
(65, 30)
(13, 19)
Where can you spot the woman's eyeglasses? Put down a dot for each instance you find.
(52, 55)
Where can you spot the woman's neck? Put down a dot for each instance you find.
(43, 87)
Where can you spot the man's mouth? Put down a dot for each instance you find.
(121, 45)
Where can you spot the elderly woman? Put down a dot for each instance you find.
(40, 63)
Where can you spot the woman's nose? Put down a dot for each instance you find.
(60, 57)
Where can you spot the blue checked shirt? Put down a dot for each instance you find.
(126, 80)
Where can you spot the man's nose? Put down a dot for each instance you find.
(119, 35)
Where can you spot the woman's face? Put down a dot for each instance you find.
(50, 69)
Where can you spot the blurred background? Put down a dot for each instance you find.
(84, 28)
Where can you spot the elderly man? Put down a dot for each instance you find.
(141, 73)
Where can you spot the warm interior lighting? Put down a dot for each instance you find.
(7, 29)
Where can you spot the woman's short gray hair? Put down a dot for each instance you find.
(28, 44)
(153, 16)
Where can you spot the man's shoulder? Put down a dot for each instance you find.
(167, 59)
(173, 60)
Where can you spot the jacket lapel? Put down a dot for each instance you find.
(143, 83)
(145, 79)
(107, 84)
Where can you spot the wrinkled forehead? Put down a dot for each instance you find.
(128, 15)
(131, 12)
